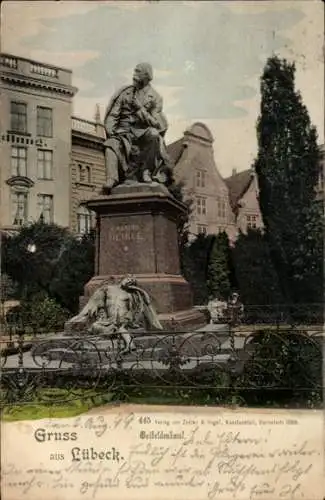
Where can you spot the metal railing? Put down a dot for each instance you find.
(43, 70)
(9, 61)
(221, 363)
(88, 127)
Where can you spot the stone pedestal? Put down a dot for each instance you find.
(137, 234)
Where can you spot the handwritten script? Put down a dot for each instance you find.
(146, 452)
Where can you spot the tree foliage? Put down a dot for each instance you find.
(218, 270)
(41, 313)
(255, 273)
(287, 167)
(59, 266)
(207, 267)
(75, 270)
(195, 266)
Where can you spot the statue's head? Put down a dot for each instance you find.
(127, 281)
(142, 74)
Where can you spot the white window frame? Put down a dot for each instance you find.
(46, 207)
(19, 201)
(202, 229)
(201, 205)
(221, 205)
(251, 221)
(18, 161)
(200, 178)
(84, 220)
(21, 118)
(45, 164)
(44, 124)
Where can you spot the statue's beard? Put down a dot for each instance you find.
(139, 83)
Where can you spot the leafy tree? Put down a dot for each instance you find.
(59, 265)
(288, 365)
(287, 167)
(31, 256)
(40, 313)
(177, 190)
(75, 270)
(218, 271)
(195, 266)
(7, 287)
(255, 274)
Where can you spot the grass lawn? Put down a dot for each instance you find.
(66, 405)
(63, 405)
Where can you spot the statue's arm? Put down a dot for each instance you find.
(158, 115)
(155, 118)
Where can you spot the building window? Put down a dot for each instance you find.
(18, 117)
(201, 208)
(221, 208)
(80, 173)
(19, 208)
(44, 164)
(84, 220)
(200, 178)
(84, 174)
(44, 122)
(251, 221)
(18, 161)
(202, 229)
(88, 174)
(45, 208)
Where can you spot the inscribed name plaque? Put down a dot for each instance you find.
(126, 232)
(140, 453)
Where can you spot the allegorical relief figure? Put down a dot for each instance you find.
(135, 127)
(119, 309)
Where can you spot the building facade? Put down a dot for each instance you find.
(243, 197)
(87, 170)
(195, 168)
(35, 132)
(51, 161)
(229, 204)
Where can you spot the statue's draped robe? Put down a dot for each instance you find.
(131, 131)
(124, 305)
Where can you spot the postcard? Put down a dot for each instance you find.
(161, 250)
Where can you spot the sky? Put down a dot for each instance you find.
(207, 57)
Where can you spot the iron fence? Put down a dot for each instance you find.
(311, 314)
(280, 363)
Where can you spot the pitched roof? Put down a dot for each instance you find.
(175, 149)
(237, 185)
(198, 131)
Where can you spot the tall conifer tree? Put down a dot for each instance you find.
(288, 167)
(218, 272)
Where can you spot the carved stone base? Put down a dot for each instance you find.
(171, 297)
(169, 293)
(137, 235)
(183, 321)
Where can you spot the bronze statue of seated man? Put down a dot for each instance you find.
(135, 127)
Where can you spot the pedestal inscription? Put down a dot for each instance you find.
(126, 232)
(137, 235)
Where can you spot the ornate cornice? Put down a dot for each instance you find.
(87, 140)
(20, 181)
(38, 83)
